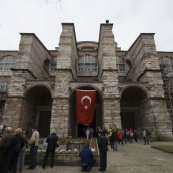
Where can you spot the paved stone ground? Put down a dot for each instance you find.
(130, 158)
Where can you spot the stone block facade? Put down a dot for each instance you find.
(39, 89)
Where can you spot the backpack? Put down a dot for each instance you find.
(18, 148)
(131, 134)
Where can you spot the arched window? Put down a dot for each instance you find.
(87, 66)
(3, 87)
(6, 64)
(122, 66)
(53, 65)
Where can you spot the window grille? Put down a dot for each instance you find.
(3, 87)
(121, 66)
(6, 64)
(87, 66)
(53, 65)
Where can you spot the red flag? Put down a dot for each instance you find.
(85, 104)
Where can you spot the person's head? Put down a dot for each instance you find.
(8, 130)
(4, 126)
(18, 131)
(34, 129)
(87, 145)
(99, 133)
(53, 131)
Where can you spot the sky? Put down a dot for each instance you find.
(44, 18)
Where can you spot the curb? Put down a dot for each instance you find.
(162, 149)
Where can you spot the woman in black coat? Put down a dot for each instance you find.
(14, 148)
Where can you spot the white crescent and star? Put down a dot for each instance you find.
(85, 97)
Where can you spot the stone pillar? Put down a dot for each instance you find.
(65, 72)
(109, 76)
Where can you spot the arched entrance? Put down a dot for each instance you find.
(132, 107)
(77, 129)
(40, 104)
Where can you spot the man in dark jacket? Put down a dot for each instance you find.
(3, 147)
(52, 144)
(13, 153)
(87, 158)
(113, 140)
(103, 148)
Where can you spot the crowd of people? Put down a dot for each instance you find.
(13, 145)
(105, 137)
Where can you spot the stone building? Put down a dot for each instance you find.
(37, 86)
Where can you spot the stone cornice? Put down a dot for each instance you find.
(65, 69)
(111, 98)
(61, 98)
(148, 70)
(19, 97)
(86, 82)
(154, 98)
(109, 69)
(26, 70)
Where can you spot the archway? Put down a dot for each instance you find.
(76, 129)
(132, 104)
(39, 103)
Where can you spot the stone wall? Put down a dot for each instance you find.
(154, 116)
(29, 65)
(109, 76)
(32, 55)
(142, 55)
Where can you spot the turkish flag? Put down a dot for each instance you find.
(85, 104)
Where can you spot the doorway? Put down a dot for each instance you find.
(77, 129)
(82, 127)
(44, 123)
(128, 120)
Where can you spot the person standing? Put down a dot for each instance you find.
(120, 137)
(34, 142)
(52, 140)
(8, 135)
(103, 148)
(87, 133)
(14, 149)
(21, 159)
(148, 136)
(131, 135)
(115, 140)
(144, 136)
(135, 135)
(87, 158)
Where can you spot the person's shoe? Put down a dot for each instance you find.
(88, 169)
(30, 168)
(43, 167)
(100, 170)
